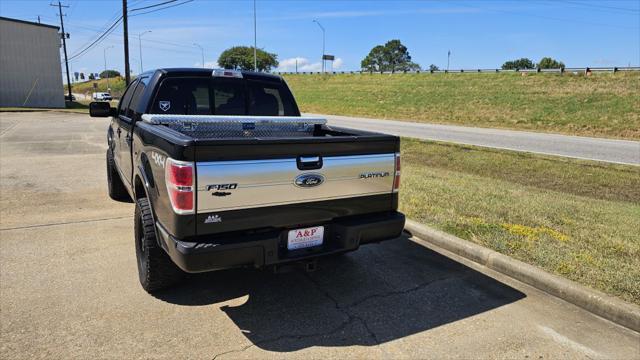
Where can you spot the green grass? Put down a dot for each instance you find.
(603, 104)
(116, 84)
(574, 218)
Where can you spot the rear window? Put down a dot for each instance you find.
(223, 96)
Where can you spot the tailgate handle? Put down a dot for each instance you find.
(309, 162)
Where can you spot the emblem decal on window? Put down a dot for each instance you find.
(164, 105)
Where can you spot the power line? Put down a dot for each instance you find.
(99, 30)
(104, 33)
(152, 6)
(598, 6)
(163, 42)
(96, 41)
(166, 7)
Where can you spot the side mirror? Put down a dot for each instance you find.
(101, 109)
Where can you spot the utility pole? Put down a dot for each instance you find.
(323, 36)
(448, 58)
(255, 39)
(140, 43)
(38, 19)
(296, 65)
(64, 46)
(127, 71)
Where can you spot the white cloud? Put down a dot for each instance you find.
(376, 13)
(304, 65)
(208, 64)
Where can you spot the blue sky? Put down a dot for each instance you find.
(478, 33)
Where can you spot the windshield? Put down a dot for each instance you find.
(223, 96)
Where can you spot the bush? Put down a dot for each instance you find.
(549, 63)
(109, 74)
(523, 63)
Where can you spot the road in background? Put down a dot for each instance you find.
(70, 286)
(614, 151)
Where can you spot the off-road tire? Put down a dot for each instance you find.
(155, 268)
(117, 191)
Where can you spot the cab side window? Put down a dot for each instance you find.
(123, 106)
(135, 98)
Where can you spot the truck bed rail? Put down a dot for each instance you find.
(217, 126)
(167, 119)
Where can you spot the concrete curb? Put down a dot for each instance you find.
(608, 307)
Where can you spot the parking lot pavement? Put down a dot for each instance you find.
(69, 287)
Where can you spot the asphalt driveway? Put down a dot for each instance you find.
(69, 287)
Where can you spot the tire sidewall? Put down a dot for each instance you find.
(140, 244)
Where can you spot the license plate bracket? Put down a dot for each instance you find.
(305, 237)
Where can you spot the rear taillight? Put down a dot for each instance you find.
(180, 179)
(396, 178)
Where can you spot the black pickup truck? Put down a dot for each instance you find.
(224, 172)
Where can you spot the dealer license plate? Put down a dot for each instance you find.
(304, 238)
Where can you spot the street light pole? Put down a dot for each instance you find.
(202, 52)
(140, 46)
(255, 39)
(323, 37)
(105, 64)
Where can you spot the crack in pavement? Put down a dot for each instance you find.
(64, 223)
(345, 311)
(6, 130)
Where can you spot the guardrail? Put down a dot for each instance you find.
(584, 70)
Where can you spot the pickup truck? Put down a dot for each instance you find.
(225, 172)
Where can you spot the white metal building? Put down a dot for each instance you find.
(30, 72)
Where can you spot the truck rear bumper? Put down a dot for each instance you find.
(269, 247)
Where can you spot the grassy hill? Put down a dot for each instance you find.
(116, 84)
(604, 104)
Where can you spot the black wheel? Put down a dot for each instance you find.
(117, 191)
(155, 268)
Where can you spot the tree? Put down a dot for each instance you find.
(375, 61)
(549, 63)
(109, 74)
(397, 55)
(241, 58)
(393, 56)
(523, 63)
(433, 68)
(81, 76)
(91, 76)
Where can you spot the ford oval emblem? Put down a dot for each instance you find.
(309, 180)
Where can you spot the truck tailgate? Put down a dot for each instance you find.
(244, 184)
